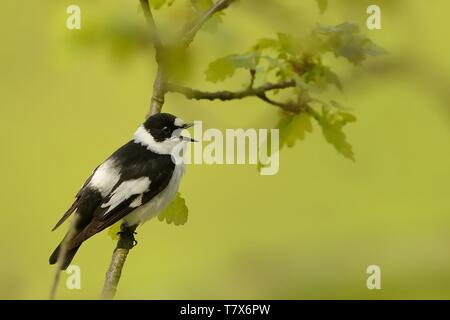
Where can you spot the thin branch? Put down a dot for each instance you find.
(154, 34)
(159, 91)
(193, 28)
(289, 107)
(125, 243)
(252, 78)
(228, 95)
(286, 106)
(259, 92)
(159, 84)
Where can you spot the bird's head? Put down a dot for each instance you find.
(162, 132)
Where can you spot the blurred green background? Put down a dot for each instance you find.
(308, 232)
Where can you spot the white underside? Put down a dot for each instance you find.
(159, 202)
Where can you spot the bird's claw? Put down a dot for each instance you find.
(134, 241)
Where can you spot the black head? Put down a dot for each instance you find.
(163, 125)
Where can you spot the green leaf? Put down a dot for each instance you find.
(287, 43)
(332, 124)
(332, 78)
(247, 60)
(176, 212)
(323, 4)
(225, 67)
(294, 128)
(291, 129)
(114, 230)
(220, 69)
(341, 114)
(345, 40)
(284, 44)
(265, 43)
(347, 117)
(335, 136)
(300, 83)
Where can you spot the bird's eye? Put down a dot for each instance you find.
(165, 130)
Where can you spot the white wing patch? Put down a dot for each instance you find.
(125, 190)
(105, 177)
(137, 202)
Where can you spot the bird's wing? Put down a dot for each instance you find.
(126, 196)
(75, 204)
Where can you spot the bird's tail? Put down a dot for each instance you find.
(66, 257)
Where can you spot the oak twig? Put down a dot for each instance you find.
(125, 243)
(197, 24)
(228, 95)
(259, 92)
(159, 91)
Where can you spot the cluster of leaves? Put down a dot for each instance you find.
(285, 58)
(200, 6)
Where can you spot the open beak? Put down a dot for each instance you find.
(188, 139)
(187, 125)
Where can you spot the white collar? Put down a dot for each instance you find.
(143, 137)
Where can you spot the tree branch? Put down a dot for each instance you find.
(125, 243)
(259, 92)
(286, 106)
(159, 90)
(228, 95)
(194, 27)
(154, 34)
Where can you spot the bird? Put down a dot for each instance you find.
(134, 184)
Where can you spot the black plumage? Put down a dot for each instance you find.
(131, 162)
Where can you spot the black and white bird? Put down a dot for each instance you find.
(133, 185)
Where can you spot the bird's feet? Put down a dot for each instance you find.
(126, 237)
(131, 235)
